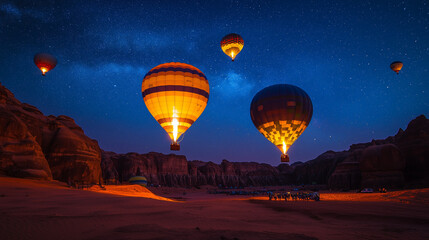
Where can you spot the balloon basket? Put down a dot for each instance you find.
(284, 158)
(174, 147)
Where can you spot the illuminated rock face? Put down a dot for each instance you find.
(39, 140)
(20, 154)
(72, 155)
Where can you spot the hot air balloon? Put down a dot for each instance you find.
(232, 44)
(281, 113)
(396, 66)
(139, 180)
(175, 94)
(45, 62)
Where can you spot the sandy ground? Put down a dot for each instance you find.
(32, 209)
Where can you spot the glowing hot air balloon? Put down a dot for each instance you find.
(232, 44)
(45, 62)
(176, 95)
(396, 66)
(281, 113)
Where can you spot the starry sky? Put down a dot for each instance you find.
(339, 52)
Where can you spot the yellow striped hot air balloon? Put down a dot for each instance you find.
(232, 44)
(175, 94)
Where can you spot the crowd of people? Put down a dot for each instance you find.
(294, 196)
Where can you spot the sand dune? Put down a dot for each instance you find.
(32, 209)
(129, 191)
(416, 196)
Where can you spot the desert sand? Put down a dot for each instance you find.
(33, 209)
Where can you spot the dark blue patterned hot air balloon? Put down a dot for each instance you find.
(281, 113)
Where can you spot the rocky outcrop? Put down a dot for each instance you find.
(108, 168)
(397, 161)
(20, 154)
(319, 170)
(168, 170)
(413, 144)
(347, 174)
(249, 174)
(382, 166)
(72, 156)
(45, 146)
(175, 170)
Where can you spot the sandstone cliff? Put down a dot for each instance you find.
(20, 154)
(39, 146)
(397, 161)
(413, 144)
(175, 170)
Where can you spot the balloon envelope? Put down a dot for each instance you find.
(140, 180)
(396, 66)
(281, 113)
(45, 62)
(232, 44)
(175, 94)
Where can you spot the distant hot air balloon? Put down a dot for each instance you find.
(396, 66)
(232, 44)
(281, 113)
(45, 62)
(176, 95)
(139, 180)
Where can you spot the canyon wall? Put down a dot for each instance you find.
(46, 147)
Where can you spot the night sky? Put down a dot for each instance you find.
(339, 52)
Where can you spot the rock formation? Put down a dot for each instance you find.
(317, 171)
(414, 146)
(381, 166)
(20, 154)
(175, 170)
(397, 161)
(35, 145)
(347, 174)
